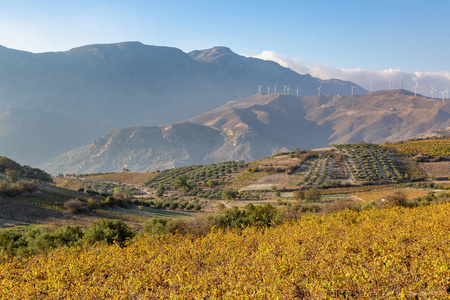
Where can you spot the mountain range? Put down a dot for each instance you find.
(259, 126)
(53, 102)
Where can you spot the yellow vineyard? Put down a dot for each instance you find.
(388, 253)
(432, 147)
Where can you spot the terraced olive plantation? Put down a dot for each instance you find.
(200, 175)
(360, 162)
(370, 162)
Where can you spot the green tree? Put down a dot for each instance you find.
(229, 194)
(181, 182)
(108, 231)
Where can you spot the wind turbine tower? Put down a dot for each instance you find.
(275, 88)
(318, 90)
(259, 88)
(432, 91)
(390, 82)
(268, 90)
(446, 91)
(416, 87)
(298, 90)
(285, 87)
(288, 90)
(352, 87)
(371, 86)
(443, 95)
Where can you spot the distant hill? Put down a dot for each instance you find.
(70, 98)
(259, 126)
(379, 116)
(245, 129)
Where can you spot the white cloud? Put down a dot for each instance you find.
(439, 80)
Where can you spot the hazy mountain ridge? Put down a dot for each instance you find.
(110, 86)
(259, 126)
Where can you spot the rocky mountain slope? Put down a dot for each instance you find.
(259, 126)
(97, 88)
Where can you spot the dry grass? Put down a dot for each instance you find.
(378, 194)
(134, 178)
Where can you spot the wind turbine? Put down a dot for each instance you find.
(275, 88)
(443, 95)
(352, 87)
(288, 90)
(285, 87)
(390, 82)
(432, 91)
(416, 87)
(318, 90)
(259, 88)
(298, 90)
(371, 86)
(268, 90)
(446, 91)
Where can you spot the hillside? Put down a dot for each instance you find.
(245, 129)
(258, 126)
(379, 116)
(70, 98)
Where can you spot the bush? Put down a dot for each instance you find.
(155, 226)
(298, 195)
(110, 200)
(12, 175)
(107, 231)
(229, 194)
(18, 188)
(73, 205)
(397, 198)
(312, 195)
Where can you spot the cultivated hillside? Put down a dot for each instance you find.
(77, 95)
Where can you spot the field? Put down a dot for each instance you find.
(396, 253)
(437, 169)
(378, 194)
(429, 147)
(133, 178)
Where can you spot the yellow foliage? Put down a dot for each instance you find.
(389, 253)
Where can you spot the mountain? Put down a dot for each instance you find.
(379, 116)
(259, 126)
(245, 129)
(98, 88)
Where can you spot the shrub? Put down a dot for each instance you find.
(312, 195)
(298, 195)
(12, 175)
(92, 204)
(110, 200)
(73, 205)
(229, 194)
(397, 198)
(108, 231)
(155, 226)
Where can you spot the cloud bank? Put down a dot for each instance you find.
(439, 80)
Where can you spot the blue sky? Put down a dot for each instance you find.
(367, 34)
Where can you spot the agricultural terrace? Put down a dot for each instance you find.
(370, 162)
(429, 147)
(396, 253)
(200, 175)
